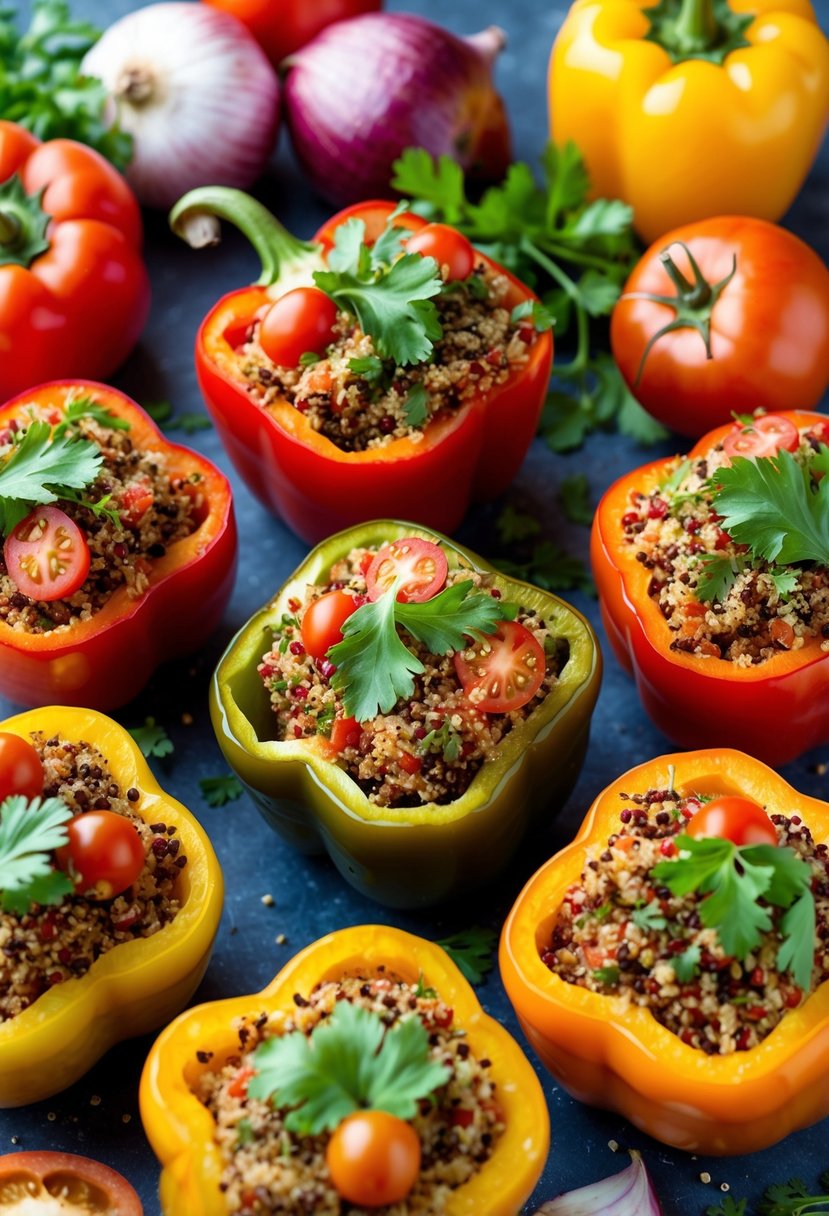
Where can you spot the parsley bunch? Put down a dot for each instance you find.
(30, 830)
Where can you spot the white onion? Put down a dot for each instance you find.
(626, 1194)
(197, 94)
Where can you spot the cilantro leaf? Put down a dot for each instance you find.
(218, 791)
(369, 367)
(550, 568)
(374, 667)
(717, 577)
(446, 620)
(436, 182)
(648, 918)
(728, 1207)
(541, 316)
(797, 950)
(471, 950)
(415, 407)
(785, 581)
(348, 1062)
(30, 830)
(87, 407)
(686, 965)
(39, 469)
(445, 740)
(609, 976)
(792, 1199)
(152, 739)
(574, 494)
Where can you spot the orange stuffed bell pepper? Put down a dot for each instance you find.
(348, 383)
(194, 1050)
(138, 983)
(691, 108)
(739, 1055)
(721, 621)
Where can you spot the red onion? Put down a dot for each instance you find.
(627, 1194)
(197, 94)
(367, 88)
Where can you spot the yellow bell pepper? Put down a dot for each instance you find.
(138, 985)
(180, 1128)
(693, 108)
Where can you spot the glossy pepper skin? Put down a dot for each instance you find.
(684, 140)
(180, 1128)
(106, 661)
(418, 855)
(138, 985)
(73, 298)
(298, 473)
(699, 701)
(621, 1058)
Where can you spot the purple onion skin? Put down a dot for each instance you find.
(366, 88)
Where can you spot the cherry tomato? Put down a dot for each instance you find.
(345, 732)
(421, 564)
(105, 854)
(134, 502)
(63, 1182)
(322, 624)
(283, 26)
(373, 1158)
(447, 246)
(21, 769)
(302, 320)
(501, 671)
(733, 818)
(766, 436)
(46, 555)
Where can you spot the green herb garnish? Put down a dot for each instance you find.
(416, 405)
(471, 951)
(152, 739)
(218, 791)
(609, 976)
(445, 740)
(163, 415)
(728, 1207)
(686, 965)
(86, 407)
(30, 830)
(574, 495)
(648, 917)
(792, 1198)
(40, 469)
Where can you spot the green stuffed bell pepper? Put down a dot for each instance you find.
(408, 708)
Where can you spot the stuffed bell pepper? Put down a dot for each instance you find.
(255, 1103)
(119, 549)
(713, 578)
(388, 369)
(110, 897)
(672, 963)
(408, 708)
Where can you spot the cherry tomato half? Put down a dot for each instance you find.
(373, 1158)
(345, 732)
(419, 563)
(300, 321)
(322, 624)
(105, 853)
(766, 436)
(46, 555)
(501, 671)
(21, 769)
(733, 818)
(134, 503)
(63, 1182)
(447, 246)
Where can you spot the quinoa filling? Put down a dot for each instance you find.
(268, 1168)
(52, 944)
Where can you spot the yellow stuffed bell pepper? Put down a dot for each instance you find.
(181, 1129)
(138, 985)
(692, 108)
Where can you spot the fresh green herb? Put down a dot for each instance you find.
(785, 582)
(609, 976)
(152, 739)
(87, 407)
(792, 1198)
(471, 951)
(372, 369)
(41, 470)
(218, 791)
(244, 1133)
(308, 358)
(718, 575)
(163, 415)
(603, 912)
(160, 411)
(540, 316)
(728, 1207)
(445, 740)
(416, 405)
(350, 1061)
(514, 525)
(422, 990)
(648, 917)
(325, 717)
(686, 965)
(29, 832)
(671, 484)
(734, 878)
(574, 494)
(550, 568)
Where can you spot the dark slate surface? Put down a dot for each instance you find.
(99, 1116)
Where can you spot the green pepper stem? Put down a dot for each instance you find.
(696, 26)
(284, 257)
(9, 228)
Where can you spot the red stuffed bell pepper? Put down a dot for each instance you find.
(120, 547)
(74, 291)
(358, 396)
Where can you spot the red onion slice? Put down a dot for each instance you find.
(629, 1193)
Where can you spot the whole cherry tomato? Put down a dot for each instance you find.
(765, 436)
(447, 246)
(421, 565)
(298, 323)
(501, 671)
(50, 1182)
(46, 555)
(373, 1158)
(21, 769)
(283, 26)
(733, 818)
(724, 316)
(105, 853)
(322, 624)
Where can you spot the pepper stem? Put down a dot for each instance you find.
(286, 260)
(696, 27)
(9, 229)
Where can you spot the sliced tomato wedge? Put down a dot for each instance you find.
(46, 555)
(63, 1184)
(766, 436)
(420, 564)
(501, 671)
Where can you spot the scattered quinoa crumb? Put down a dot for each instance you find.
(705, 1177)
(95, 1100)
(268, 900)
(281, 939)
(613, 1145)
(725, 1186)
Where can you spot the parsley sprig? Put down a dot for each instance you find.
(218, 791)
(350, 1061)
(791, 1198)
(152, 739)
(41, 469)
(88, 407)
(471, 951)
(30, 830)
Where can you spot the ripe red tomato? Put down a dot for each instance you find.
(301, 321)
(345, 732)
(421, 564)
(447, 246)
(63, 1182)
(769, 326)
(105, 853)
(322, 624)
(46, 555)
(733, 818)
(501, 671)
(283, 26)
(766, 436)
(21, 770)
(134, 503)
(373, 1158)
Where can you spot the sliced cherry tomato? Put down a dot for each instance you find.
(419, 563)
(300, 321)
(733, 818)
(134, 502)
(373, 1158)
(766, 436)
(105, 854)
(501, 671)
(345, 732)
(21, 769)
(447, 246)
(46, 555)
(63, 1183)
(238, 1087)
(322, 624)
